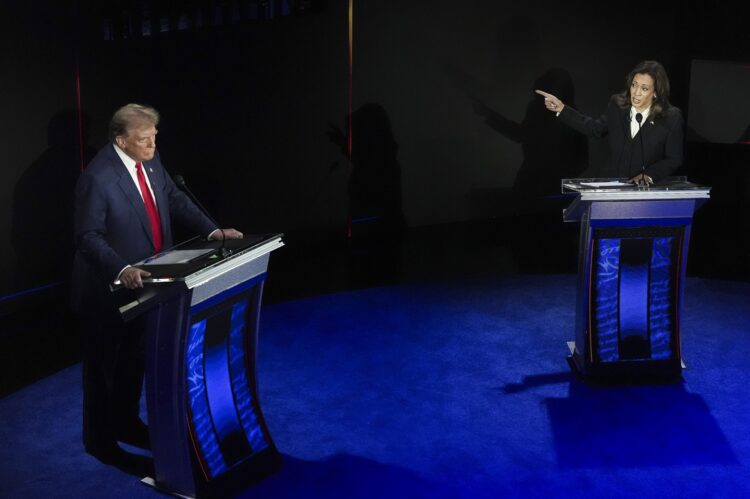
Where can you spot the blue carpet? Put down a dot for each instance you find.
(454, 389)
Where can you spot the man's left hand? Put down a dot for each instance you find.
(221, 234)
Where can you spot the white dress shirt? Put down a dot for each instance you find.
(634, 123)
(130, 166)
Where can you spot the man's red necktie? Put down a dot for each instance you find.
(153, 215)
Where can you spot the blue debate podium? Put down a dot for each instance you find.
(631, 270)
(201, 306)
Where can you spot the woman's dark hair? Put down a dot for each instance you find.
(661, 87)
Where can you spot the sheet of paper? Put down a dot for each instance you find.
(608, 183)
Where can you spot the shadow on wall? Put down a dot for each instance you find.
(36, 344)
(42, 220)
(375, 180)
(376, 218)
(551, 151)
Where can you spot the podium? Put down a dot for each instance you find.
(631, 270)
(201, 306)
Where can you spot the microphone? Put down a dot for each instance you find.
(180, 181)
(639, 118)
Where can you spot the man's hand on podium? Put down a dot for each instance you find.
(132, 277)
(221, 234)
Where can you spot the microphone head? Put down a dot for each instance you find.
(179, 180)
(639, 118)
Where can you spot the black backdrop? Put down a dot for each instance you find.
(247, 103)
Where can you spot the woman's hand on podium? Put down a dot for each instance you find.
(641, 178)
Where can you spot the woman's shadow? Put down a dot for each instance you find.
(551, 151)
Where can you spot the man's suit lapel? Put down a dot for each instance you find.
(131, 194)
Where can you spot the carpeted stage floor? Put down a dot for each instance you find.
(451, 388)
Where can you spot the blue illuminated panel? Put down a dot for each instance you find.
(635, 260)
(633, 301)
(198, 401)
(232, 442)
(606, 323)
(240, 385)
(226, 422)
(661, 291)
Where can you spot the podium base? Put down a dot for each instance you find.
(625, 372)
(151, 482)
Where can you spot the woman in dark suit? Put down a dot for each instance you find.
(645, 132)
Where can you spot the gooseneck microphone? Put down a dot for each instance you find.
(180, 181)
(639, 118)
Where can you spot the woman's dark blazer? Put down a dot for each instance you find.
(663, 141)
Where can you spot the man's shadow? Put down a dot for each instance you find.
(43, 198)
(376, 219)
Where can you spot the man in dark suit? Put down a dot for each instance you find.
(642, 127)
(124, 205)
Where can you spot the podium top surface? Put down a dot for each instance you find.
(206, 267)
(617, 199)
(619, 189)
(189, 259)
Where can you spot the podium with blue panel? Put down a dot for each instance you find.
(202, 307)
(631, 270)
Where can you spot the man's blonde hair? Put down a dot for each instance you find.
(131, 116)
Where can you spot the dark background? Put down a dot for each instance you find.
(249, 91)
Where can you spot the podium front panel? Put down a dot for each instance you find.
(633, 299)
(208, 434)
(224, 414)
(631, 269)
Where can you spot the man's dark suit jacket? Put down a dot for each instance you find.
(111, 225)
(663, 141)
